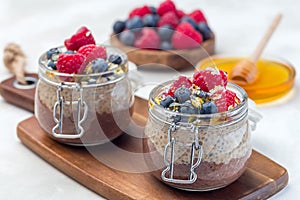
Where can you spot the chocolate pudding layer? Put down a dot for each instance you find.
(108, 111)
(226, 150)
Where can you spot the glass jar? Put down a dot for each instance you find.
(199, 152)
(84, 109)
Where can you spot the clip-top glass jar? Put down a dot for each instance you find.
(84, 109)
(201, 152)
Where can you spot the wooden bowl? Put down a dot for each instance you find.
(177, 59)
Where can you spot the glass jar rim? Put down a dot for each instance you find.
(45, 69)
(239, 108)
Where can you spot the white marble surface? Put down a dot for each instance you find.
(37, 25)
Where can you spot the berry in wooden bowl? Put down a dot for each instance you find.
(164, 35)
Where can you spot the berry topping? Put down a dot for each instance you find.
(204, 30)
(169, 18)
(52, 54)
(182, 81)
(226, 100)
(189, 20)
(166, 6)
(182, 94)
(70, 63)
(166, 14)
(165, 32)
(118, 27)
(82, 37)
(142, 11)
(52, 65)
(187, 108)
(99, 65)
(201, 94)
(165, 45)
(70, 52)
(150, 20)
(209, 79)
(188, 98)
(127, 37)
(208, 108)
(91, 52)
(116, 59)
(186, 37)
(134, 24)
(148, 39)
(166, 101)
(180, 14)
(198, 16)
(153, 9)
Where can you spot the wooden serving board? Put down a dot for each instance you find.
(262, 178)
(23, 98)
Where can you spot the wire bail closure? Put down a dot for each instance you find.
(57, 130)
(196, 146)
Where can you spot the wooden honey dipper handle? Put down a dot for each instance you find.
(259, 49)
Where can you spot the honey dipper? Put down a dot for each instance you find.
(246, 72)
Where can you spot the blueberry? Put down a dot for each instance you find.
(190, 20)
(165, 32)
(149, 20)
(156, 17)
(135, 23)
(208, 108)
(118, 27)
(70, 52)
(115, 59)
(153, 10)
(204, 30)
(202, 94)
(188, 109)
(182, 94)
(52, 65)
(166, 101)
(176, 118)
(51, 52)
(127, 38)
(99, 65)
(165, 45)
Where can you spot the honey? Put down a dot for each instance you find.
(275, 78)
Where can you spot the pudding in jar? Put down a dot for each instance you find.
(198, 134)
(83, 96)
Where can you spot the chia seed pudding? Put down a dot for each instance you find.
(205, 146)
(83, 96)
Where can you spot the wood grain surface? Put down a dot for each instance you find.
(23, 98)
(262, 178)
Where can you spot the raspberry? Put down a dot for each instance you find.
(182, 81)
(91, 52)
(226, 100)
(141, 11)
(198, 16)
(180, 14)
(70, 63)
(169, 18)
(148, 39)
(186, 37)
(82, 37)
(166, 6)
(207, 79)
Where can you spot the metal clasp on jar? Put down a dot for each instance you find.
(196, 146)
(57, 130)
